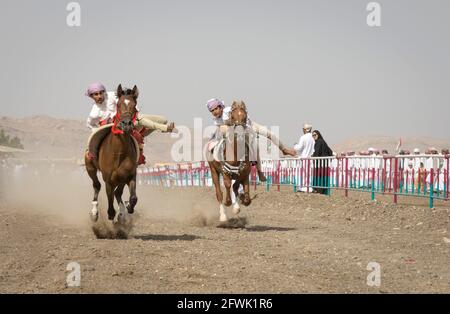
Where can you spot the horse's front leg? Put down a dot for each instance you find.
(227, 183)
(133, 196)
(246, 200)
(236, 207)
(216, 180)
(110, 195)
(118, 194)
(92, 172)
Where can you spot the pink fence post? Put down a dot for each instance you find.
(447, 175)
(278, 174)
(337, 171)
(203, 173)
(307, 176)
(390, 175)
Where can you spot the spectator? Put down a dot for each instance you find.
(408, 177)
(417, 160)
(420, 180)
(443, 170)
(432, 163)
(321, 167)
(351, 167)
(305, 147)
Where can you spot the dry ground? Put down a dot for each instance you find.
(291, 243)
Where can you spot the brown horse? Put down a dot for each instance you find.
(232, 167)
(117, 157)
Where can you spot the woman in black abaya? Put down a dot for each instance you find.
(321, 179)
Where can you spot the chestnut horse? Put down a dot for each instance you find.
(117, 157)
(233, 166)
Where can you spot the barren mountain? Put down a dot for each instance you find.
(48, 137)
(53, 138)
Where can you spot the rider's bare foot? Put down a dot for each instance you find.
(171, 128)
(289, 151)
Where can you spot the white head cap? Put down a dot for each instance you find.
(307, 126)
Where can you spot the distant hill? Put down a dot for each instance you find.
(48, 137)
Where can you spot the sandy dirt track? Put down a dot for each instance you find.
(292, 243)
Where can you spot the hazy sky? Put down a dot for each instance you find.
(290, 61)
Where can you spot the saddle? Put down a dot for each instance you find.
(97, 137)
(216, 148)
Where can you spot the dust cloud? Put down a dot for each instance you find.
(63, 194)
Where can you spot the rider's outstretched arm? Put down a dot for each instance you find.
(262, 130)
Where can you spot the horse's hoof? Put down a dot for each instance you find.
(130, 210)
(236, 208)
(111, 216)
(223, 218)
(94, 211)
(228, 203)
(119, 219)
(94, 216)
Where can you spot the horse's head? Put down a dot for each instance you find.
(238, 116)
(240, 130)
(126, 107)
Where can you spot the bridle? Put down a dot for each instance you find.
(121, 124)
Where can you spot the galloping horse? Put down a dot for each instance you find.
(117, 157)
(232, 167)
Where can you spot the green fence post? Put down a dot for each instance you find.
(373, 184)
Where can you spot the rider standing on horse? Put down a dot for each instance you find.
(220, 116)
(104, 110)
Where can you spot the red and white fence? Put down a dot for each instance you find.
(411, 175)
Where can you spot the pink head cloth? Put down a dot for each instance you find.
(214, 103)
(95, 87)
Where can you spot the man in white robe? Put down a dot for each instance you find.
(305, 149)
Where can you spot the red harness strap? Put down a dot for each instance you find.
(104, 121)
(114, 128)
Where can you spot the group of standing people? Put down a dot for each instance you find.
(312, 144)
